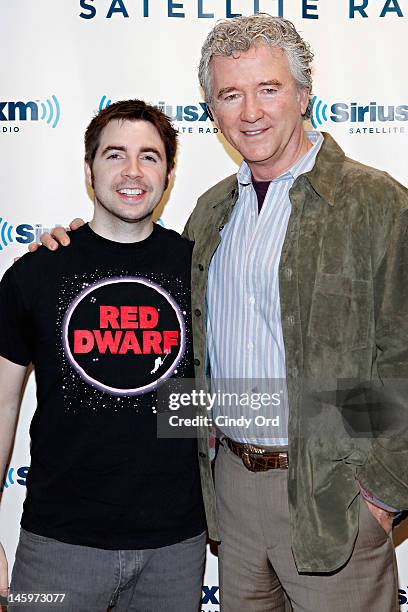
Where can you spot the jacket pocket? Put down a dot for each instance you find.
(340, 312)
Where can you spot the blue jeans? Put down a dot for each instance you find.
(96, 580)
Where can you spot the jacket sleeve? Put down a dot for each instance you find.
(385, 472)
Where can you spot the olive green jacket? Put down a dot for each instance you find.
(343, 281)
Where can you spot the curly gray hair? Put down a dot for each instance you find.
(242, 33)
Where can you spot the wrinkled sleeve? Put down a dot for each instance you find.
(385, 473)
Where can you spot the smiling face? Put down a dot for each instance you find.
(258, 107)
(128, 174)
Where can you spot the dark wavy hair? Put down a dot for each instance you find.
(131, 110)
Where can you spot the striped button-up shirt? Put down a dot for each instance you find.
(244, 331)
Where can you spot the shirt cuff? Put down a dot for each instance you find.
(375, 501)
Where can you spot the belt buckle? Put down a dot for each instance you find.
(247, 461)
(283, 460)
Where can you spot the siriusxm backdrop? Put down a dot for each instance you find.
(64, 60)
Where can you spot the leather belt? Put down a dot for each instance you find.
(256, 458)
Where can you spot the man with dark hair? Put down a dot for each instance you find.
(132, 110)
(300, 279)
(113, 515)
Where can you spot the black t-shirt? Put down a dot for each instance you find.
(104, 324)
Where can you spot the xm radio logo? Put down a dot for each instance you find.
(22, 234)
(48, 111)
(367, 118)
(196, 114)
(14, 476)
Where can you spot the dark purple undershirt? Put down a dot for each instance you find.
(261, 187)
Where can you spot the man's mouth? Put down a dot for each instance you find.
(131, 191)
(131, 194)
(252, 133)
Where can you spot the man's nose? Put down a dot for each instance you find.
(133, 168)
(251, 109)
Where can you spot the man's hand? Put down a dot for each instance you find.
(3, 572)
(58, 236)
(382, 516)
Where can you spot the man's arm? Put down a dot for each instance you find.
(58, 236)
(11, 381)
(385, 473)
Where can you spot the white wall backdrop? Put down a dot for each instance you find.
(62, 60)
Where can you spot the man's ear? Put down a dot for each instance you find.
(170, 176)
(304, 99)
(88, 174)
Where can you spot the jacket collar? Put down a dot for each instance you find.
(228, 195)
(325, 175)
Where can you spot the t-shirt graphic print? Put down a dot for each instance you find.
(124, 335)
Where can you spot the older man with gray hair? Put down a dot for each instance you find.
(299, 283)
(307, 261)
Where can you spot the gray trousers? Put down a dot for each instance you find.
(94, 580)
(257, 570)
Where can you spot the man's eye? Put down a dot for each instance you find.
(150, 158)
(113, 156)
(269, 91)
(231, 97)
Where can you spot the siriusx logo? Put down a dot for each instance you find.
(210, 595)
(196, 114)
(14, 476)
(371, 118)
(23, 233)
(403, 596)
(48, 111)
